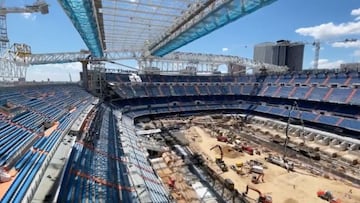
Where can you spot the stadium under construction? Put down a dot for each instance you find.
(175, 129)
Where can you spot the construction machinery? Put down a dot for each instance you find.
(171, 183)
(239, 164)
(288, 165)
(219, 160)
(262, 197)
(256, 179)
(257, 169)
(222, 138)
(238, 169)
(327, 195)
(229, 184)
(248, 149)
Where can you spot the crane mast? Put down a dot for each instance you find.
(316, 44)
(14, 59)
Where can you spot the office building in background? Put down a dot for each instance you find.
(282, 53)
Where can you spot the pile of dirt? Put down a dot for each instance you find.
(290, 200)
(229, 152)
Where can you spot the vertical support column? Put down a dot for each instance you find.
(85, 75)
(4, 40)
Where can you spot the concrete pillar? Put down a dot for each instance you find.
(85, 75)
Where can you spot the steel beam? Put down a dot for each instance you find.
(83, 16)
(69, 57)
(203, 20)
(178, 57)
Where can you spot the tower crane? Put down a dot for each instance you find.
(317, 46)
(14, 59)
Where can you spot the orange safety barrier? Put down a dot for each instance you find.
(5, 186)
(51, 129)
(100, 180)
(72, 110)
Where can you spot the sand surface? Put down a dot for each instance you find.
(284, 187)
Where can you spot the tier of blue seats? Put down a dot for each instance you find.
(27, 128)
(43, 102)
(24, 178)
(323, 78)
(332, 88)
(347, 123)
(10, 137)
(328, 94)
(103, 166)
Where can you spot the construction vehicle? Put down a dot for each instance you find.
(229, 184)
(259, 174)
(257, 169)
(239, 164)
(327, 195)
(262, 197)
(237, 169)
(171, 183)
(237, 147)
(256, 179)
(248, 149)
(219, 160)
(280, 162)
(222, 138)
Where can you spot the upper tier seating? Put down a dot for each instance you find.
(321, 78)
(312, 89)
(25, 140)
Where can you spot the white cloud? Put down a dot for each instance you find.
(326, 64)
(356, 12)
(55, 72)
(225, 49)
(29, 16)
(350, 44)
(331, 30)
(356, 53)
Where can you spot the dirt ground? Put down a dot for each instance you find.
(284, 187)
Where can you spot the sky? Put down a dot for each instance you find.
(328, 21)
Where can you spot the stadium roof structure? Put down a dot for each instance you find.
(151, 27)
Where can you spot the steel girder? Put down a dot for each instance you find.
(69, 57)
(211, 16)
(83, 16)
(212, 60)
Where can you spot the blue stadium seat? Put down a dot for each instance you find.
(318, 93)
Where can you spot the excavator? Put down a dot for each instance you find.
(256, 179)
(327, 195)
(262, 197)
(219, 160)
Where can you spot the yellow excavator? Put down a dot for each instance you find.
(219, 160)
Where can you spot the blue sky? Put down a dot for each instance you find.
(296, 20)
